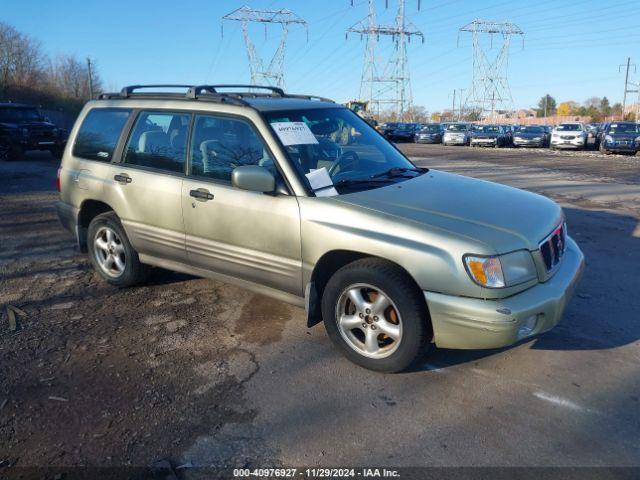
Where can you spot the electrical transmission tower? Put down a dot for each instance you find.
(386, 84)
(273, 73)
(489, 91)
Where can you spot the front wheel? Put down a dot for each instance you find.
(111, 253)
(376, 315)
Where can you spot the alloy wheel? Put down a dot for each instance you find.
(369, 321)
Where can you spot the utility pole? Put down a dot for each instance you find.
(626, 84)
(388, 84)
(453, 105)
(489, 87)
(460, 113)
(273, 73)
(90, 74)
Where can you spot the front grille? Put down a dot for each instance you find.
(553, 247)
(41, 132)
(567, 137)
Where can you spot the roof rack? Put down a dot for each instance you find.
(209, 92)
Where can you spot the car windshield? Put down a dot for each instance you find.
(457, 127)
(19, 115)
(532, 130)
(351, 153)
(487, 129)
(405, 126)
(431, 129)
(624, 128)
(571, 127)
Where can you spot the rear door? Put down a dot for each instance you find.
(145, 187)
(247, 235)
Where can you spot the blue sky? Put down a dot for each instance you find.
(572, 49)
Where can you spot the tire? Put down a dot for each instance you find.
(405, 315)
(12, 152)
(125, 272)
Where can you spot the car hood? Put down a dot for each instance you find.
(485, 135)
(501, 217)
(626, 136)
(529, 134)
(567, 132)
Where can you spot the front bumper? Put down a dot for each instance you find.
(576, 143)
(489, 142)
(528, 143)
(472, 323)
(455, 141)
(420, 139)
(621, 147)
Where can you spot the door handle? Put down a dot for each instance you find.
(122, 178)
(201, 194)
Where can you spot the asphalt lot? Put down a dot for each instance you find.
(197, 371)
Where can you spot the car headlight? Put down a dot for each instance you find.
(608, 138)
(501, 271)
(637, 139)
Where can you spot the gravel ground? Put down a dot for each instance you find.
(197, 371)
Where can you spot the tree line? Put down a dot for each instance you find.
(597, 108)
(29, 75)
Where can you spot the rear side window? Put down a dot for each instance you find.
(159, 141)
(99, 133)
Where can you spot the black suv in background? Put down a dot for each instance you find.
(620, 137)
(23, 128)
(405, 132)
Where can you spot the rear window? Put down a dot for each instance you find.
(99, 133)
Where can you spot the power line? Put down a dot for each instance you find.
(273, 73)
(626, 84)
(390, 84)
(489, 90)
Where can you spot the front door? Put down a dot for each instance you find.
(145, 188)
(248, 235)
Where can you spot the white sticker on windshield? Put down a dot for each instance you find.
(321, 183)
(294, 133)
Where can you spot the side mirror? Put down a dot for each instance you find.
(253, 178)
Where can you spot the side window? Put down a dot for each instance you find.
(159, 140)
(99, 133)
(220, 144)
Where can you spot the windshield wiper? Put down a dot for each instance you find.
(361, 181)
(397, 172)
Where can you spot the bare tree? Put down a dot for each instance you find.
(69, 78)
(21, 59)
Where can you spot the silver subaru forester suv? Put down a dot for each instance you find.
(298, 198)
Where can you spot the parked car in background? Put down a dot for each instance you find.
(531, 136)
(430, 133)
(488, 136)
(405, 132)
(569, 135)
(246, 188)
(457, 134)
(621, 137)
(388, 127)
(23, 128)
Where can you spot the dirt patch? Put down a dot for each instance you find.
(95, 375)
(262, 320)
